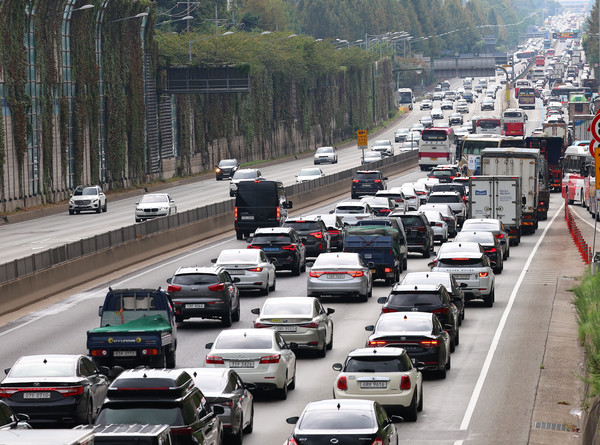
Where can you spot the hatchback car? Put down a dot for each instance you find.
(341, 274)
(302, 320)
(309, 174)
(426, 104)
(420, 334)
(154, 205)
(384, 375)
(400, 134)
(490, 244)
(419, 235)
(86, 199)
(367, 182)
(384, 146)
(491, 225)
(325, 154)
(55, 388)
(253, 269)
(243, 174)
(259, 356)
(381, 206)
(443, 174)
(344, 422)
(282, 245)
(204, 292)
(395, 194)
(226, 168)
(313, 233)
(352, 211)
(454, 200)
(335, 227)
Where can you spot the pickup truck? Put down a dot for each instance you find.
(137, 327)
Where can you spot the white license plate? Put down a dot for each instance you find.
(36, 395)
(286, 328)
(236, 272)
(124, 353)
(335, 276)
(368, 385)
(195, 306)
(462, 277)
(248, 217)
(241, 364)
(368, 255)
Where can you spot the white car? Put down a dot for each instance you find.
(308, 174)
(438, 225)
(259, 356)
(447, 214)
(251, 266)
(417, 127)
(85, 199)
(454, 200)
(243, 174)
(400, 134)
(396, 195)
(384, 375)
(410, 196)
(462, 106)
(413, 137)
(154, 205)
(426, 104)
(372, 156)
(384, 146)
(325, 154)
(436, 113)
(352, 211)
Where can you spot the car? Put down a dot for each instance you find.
(400, 134)
(420, 334)
(427, 121)
(436, 113)
(417, 127)
(55, 388)
(454, 200)
(455, 119)
(438, 225)
(438, 95)
(491, 93)
(225, 388)
(309, 174)
(426, 104)
(243, 174)
(204, 292)
(381, 206)
(163, 396)
(419, 235)
(251, 267)
(489, 243)
(469, 267)
(410, 196)
(154, 205)
(9, 420)
(340, 273)
(367, 182)
(409, 145)
(302, 320)
(414, 137)
(450, 95)
(283, 246)
(86, 199)
(433, 298)
(345, 422)
(447, 104)
(487, 104)
(492, 225)
(468, 96)
(462, 106)
(259, 356)
(352, 211)
(335, 227)
(313, 232)
(226, 168)
(444, 174)
(372, 156)
(421, 190)
(384, 375)
(395, 194)
(452, 187)
(384, 146)
(445, 278)
(325, 154)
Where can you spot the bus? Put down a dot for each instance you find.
(488, 125)
(473, 144)
(562, 93)
(437, 146)
(521, 83)
(513, 122)
(540, 60)
(405, 97)
(577, 160)
(550, 52)
(526, 97)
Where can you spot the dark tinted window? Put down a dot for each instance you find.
(195, 279)
(274, 238)
(411, 221)
(416, 299)
(228, 163)
(441, 173)
(367, 175)
(5, 414)
(170, 415)
(250, 342)
(334, 420)
(375, 364)
(303, 225)
(444, 198)
(257, 194)
(453, 262)
(406, 323)
(434, 135)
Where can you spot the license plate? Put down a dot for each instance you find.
(335, 276)
(368, 255)
(462, 277)
(247, 217)
(434, 159)
(373, 270)
(285, 328)
(124, 353)
(373, 385)
(236, 272)
(195, 306)
(241, 364)
(36, 395)
(270, 249)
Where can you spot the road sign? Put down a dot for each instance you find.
(361, 137)
(505, 66)
(595, 127)
(597, 168)
(592, 148)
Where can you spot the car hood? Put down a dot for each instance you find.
(84, 198)
(152, 205)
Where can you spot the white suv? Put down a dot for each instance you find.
(454, 200)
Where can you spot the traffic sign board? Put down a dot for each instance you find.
(361, 137)
(592, 148)
(595, 127)
(597, 167)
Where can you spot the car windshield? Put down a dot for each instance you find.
(274, 307)
(335, 260)
(322, 150)
(154, 199)
(413, 299)
(48, 369)
(411, 221)
(245, 174)
(244, 342)
(350, 209)
(195, 279)
(228, 163)
(238, 256)
(382, 143)
(142, 415)
(333, 420)
(366, 175)
(89, 191)
(375, 364)
(444, 198)
(309, 172)
(406, 323)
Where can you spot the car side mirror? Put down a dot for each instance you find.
(293, 345)
(420, 366)
(523, 200)
(250, 386)
(385, 178)
(303, 239)
(337, 367)
(310, 263)
(431, 264)
(331, 212)
(370, 328)
(330, 310)
(463, 285)
(290, 205)
(382, 300)
(248, 240)
(456, 299)
(218, 409)
(6, 371)
(255, 311)
(115, 372)
(396, 419)
(292, 420)
(236, 279)
(209, 345)
(169, 280)
(104, 370)
(448, 327)
(213, 260)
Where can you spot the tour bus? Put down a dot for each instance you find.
(540, 60)
(405, 97)
(562, 93)
(550, 52)
(526, 97)
(577, 160)
(437, 146)
(513, 122)
(521, 83)
(473, 144)
(487, 125)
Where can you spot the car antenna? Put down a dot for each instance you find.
(109, 289)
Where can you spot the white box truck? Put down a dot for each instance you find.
(497, 197)
(581, 127)
(521, 162)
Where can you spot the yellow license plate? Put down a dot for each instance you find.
(374, 270)
(434, 159)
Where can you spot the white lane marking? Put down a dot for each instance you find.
(584, 220)
(490, 355)
(64, 305)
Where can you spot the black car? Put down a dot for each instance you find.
(163, 396)
(313, 232)
(10, 421)
(335, 227)
(491, 245)
(419, 234)
(226, 168)
(204, 292)
(444, 175)
(432, 298)
(346, 422)
(367, 182)
(132, 434)
(55, 388)
(283, 246)
(450, 187)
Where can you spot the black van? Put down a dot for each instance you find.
(259, 204)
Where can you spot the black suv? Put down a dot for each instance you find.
(445, 174)
(282, 245)
(226, 168)
(335, 227)
(205, 292)
(419, 234)
(313, 232)
(162, 396)
(432, 298)
(367, 182)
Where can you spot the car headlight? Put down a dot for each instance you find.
(71, 201)
(164, 208)
(217, 170)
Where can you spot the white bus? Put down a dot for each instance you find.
(438, 146)
(405, 97)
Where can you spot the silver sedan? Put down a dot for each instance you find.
(251, 266)
(154, 205)
(340, 273)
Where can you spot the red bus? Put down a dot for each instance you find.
(550, 52)
(540, 60)
(513, 122)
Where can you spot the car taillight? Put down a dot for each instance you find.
(334, 232)
(7, 392)
(483, 274)
(278, 213)
(444, 310)
(342, 383)
(356, 273)
(388, 270)
(500, 235)
(377, 343)
(405, 382)
(182, 431)
(376, 180)
(290, 247)
(270, 359)
(255, 269)
(387, 310)
(173, 288)
(492, 250)
(259, 325)
(355, 180)
(429, 343)
(235, 213)
(98, 352)
(254, 247)
(66, 391)
(309, 325)
(317, 235)
(151, 351)
(421, 229)
(315, 274)
(217, 287)
(214, 359)
(385, 211)
(292, 441)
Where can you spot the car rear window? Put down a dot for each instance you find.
(249, 342)
(46, 370)
(365, 176)
(411, 221)
(435, 135)
(375, 364)
(195, 279)
(444, 198)
(441, 173)
(142, 415)
(350, 209)
(453, 262)
(414, 299)
(329, 261)
(326, 420)
(274, 307)
(481, 237)
(405, 324)
(242, 256)
(256, 194)
(302, 225)
(275, 238)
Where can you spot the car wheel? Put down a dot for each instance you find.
(236, 315)
(449, 363)
(489, 299)
(462, 313)
(272, 288)
(250, 427)
(99, 209)
(138, 220)
(457, 338)
(105, 208)
(411, 412)
(160, 362)
(90, 417)
(420, 405)
(78, 211)
(283, 392)
(322, 352)
(227, 319)
(71, 212)
(265, 291)
(427, 253)
(297, 270)
(239, 235)
(405, 263)
(171, 358)
(508, 253)
(442, 372)
(330, 344)
(237, 438)
(452, 345)
(363, 298)
(498, 270)
(303, 268)
(178, 319)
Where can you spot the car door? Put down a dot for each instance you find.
(244, 396)
(206, 425)
(288, 355)
(98, 383)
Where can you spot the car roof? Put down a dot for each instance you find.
(151, 378)
(414, 288)
(445, 276)
(55, 358)
(340, 405)
(351, 203)
(470, 254)
(249, 332)
(412, 314)
(268, 230)
(387, 352)
(198, 269)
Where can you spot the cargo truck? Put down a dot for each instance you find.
(521, 162)
(581, 127)
(552, 149)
